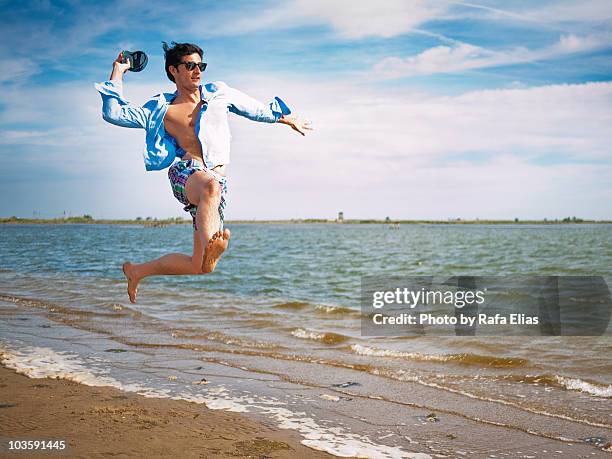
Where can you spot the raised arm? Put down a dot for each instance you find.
(115, 108)
(276, 112)
(119, 69)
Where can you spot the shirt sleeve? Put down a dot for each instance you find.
(243, 105)
(117, 110)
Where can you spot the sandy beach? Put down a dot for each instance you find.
(103, 422)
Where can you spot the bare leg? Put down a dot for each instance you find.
(171, 264)
(203, 191)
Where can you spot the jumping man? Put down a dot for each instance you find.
(189, 125)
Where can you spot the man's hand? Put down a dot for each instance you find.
(119, 68)
(297, 124)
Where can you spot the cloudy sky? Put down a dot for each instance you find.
(422, 109)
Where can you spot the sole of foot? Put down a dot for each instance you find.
(214, 249)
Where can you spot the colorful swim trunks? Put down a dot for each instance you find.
(178, 174)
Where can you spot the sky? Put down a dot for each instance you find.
(422, 109)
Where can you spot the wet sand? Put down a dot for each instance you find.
(103, 421)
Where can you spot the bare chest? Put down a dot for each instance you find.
(182, 116)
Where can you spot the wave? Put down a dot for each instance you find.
(596, 389)
(39, 362)
(463, 358)
(116, 310)
(108, 309)
(323, 309)
(339, 310)
(401, 375)
(292, 305)
(36, 362)
(325, 337)
(223, 338)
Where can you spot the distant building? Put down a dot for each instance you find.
(340, 216)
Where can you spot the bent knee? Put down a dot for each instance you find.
(211, 189)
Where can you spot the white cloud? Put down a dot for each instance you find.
(571, 43)
(491, 12)
(563, 15)
(15, 69)
(347, 18)
(570, 11)
(375, 152)
(440, 59)
(463, 56)
(358, 19)
(350, 19)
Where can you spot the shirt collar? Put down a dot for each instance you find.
(170, 96)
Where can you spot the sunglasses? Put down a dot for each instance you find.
(192, 65)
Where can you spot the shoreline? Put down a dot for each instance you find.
(179, 221)
(421, 420)
(102, 421)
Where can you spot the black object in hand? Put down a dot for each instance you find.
(138, 60)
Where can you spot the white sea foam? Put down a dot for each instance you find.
(401, 375)
(366, 350)
(327, 309)
(38, 362)
(569, 383)
(308, 334)
(583, 386)
(42, 362)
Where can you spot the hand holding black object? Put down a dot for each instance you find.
(137, 59)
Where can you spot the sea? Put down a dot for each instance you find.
(276, 333)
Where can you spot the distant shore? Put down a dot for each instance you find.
(178, 221)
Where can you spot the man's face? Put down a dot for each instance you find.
(188, 79)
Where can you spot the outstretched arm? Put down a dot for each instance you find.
(276, 112)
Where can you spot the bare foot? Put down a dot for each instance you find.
(215, 247)
(132, 287)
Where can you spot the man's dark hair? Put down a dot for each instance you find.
(175, 53)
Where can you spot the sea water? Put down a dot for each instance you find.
(276, 329)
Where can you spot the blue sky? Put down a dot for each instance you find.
(422, 109)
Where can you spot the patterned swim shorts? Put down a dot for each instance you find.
(178, 174)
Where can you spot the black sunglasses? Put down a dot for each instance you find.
(192, 65)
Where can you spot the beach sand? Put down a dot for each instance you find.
(103, 421)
